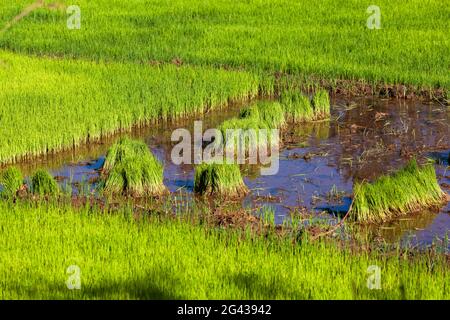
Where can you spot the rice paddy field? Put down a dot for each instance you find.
(87, 178)
(283, 35)
(124, 258)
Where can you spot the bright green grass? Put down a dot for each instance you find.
(10, 9)
(329, 39)
(43, 183)
(272, 114)
(131, 169)
(253, 127)
(122, 258)
(299, 108)
(51, 104)
(321, 104)
(11, 179)
(410, 189)
(224, 180)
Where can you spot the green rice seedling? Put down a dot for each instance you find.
(11, 180)
(267, 216)
(124, 148)
(410, 189)
(43, 184)
(224, 180)
(66, 188)
(268, 115)
(131, 169)
(301, 38)
(272, 114)
(321, 104)
(241, 132)
(297, 106)
(251, 111)
(158, 257)
(82, 101)
(251, 120)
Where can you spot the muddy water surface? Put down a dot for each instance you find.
(319, 162)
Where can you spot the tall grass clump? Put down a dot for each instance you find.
(158, 257)
(11, 180)
(63, 111)
(265, 115)
(321, 104)
(252, 128)
(43, 184)
(131, 169)
(323, 33)
(223, 180)
(299, 107)
(410, 189)
(272, 114)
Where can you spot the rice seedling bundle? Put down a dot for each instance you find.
(11, 180)
(252, 129)
(321, 104)
(297, 106)
(272, 114)
(410, 189)
(131, 169)
(43, 184)
(223, 180)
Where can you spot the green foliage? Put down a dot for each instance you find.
(11, 180)
(114, 72)
(43, 184)
(272, 114)
(328, 40)
(131, 169)
(259, 116)
(321, 104)
(161, 258)
(224, 180)
(410, 189)
(53, 104)
(297, 106)
(250, 112)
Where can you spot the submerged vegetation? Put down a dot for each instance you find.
(224, 180)
(131, 169)
(11, 180)
(157, 257)
(43, 184)
(408, 190)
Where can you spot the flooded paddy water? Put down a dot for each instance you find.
(319, 162)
